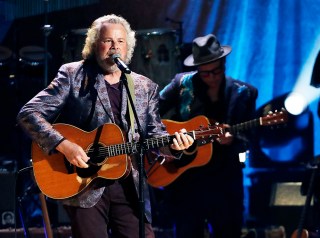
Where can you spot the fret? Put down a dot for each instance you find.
(244, 126)
(114, 150)
(119, 149)
(124, 149)
(127, 149)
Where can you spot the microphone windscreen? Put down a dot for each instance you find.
(114, 56)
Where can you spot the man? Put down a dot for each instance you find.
(214, 192)
(88, 94)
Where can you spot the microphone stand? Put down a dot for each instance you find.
(19, 200)
(141, 156)
(46, 30)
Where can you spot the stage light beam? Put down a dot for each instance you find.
(295, 103)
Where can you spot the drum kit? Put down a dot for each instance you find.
(5, 59)
(157, 56)
(23, 74)
(157, 52)
(29, 57)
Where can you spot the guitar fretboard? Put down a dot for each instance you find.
(244, 126)
(132, 147)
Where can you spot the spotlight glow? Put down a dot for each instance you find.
(303, 86)
(295, 103)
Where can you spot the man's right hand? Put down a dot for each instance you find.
(73, 153)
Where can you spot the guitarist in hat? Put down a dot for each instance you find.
(214, 192)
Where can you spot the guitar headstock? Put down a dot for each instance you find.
(274, 118)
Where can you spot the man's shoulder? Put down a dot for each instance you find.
(72, 66)
(140, 79)
(184, 74)
(239, 83)
(242, 87)
(183, 78)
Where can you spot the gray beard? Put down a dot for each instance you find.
(112, 68)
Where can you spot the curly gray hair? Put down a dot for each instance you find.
(94, 33)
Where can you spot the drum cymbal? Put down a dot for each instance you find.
(154, 31)
(33, 55)
(81, 31)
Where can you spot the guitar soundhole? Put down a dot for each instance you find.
(88, 172)
(97, 159)
(97, 155)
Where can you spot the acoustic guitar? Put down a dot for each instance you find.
(107, 149)
(162, 174)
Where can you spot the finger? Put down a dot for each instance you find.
(183, 130)
(176, 143)
(184, 140)
(178, 138)
(83, 164)
(228, 134)
(190, 140)
(84, 157)
(80, 161)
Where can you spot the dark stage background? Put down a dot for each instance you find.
(275, 45)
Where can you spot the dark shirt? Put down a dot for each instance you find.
(115, 94)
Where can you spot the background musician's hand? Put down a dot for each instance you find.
(73, 153)
(226, 138)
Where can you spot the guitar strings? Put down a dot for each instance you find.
(125, 148)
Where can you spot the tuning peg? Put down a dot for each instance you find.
(270, 112)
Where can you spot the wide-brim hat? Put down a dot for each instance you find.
(206, 49)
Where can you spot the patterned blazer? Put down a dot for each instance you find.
(78, 96)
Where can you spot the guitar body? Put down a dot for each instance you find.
(162, 175)
(58, 179)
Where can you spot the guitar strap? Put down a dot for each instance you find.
(131, 90)
(96, 139)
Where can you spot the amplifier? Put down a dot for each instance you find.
(35, 232)
(7, 199)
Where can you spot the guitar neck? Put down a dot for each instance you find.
(132, 147)
(164, 140)
(244, 126)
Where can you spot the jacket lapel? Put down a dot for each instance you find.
(103, 97)
(124, 107)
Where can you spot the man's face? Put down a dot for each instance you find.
(113, 40)
(212, 74)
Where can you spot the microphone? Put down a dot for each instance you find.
(121, 65)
